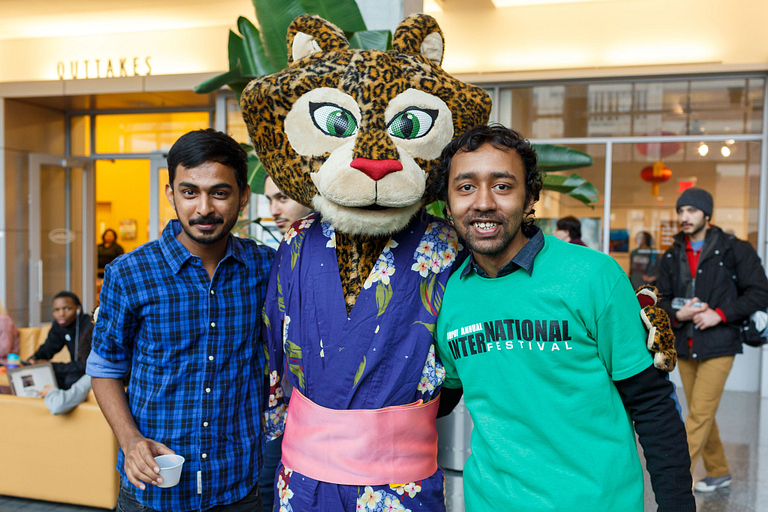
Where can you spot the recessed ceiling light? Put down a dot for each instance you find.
(725, 151)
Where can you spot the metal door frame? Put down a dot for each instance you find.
(88, 240)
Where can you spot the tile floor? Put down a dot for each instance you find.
(743, 423)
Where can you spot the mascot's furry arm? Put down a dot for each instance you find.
(661, 339)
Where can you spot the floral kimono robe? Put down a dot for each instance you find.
(381, 354)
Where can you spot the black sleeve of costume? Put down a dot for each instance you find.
(53, 344)
(751, 283)
(662, 436)
(449, 398)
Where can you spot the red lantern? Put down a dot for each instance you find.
(656, 174)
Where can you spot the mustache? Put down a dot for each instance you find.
(211, 219)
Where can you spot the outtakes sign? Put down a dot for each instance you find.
(104, 68)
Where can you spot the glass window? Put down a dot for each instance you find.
(235, 123)
(681, 107)
(636, 213)
(554, 205)
(144, 133)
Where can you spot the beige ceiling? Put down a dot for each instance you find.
(21, 19)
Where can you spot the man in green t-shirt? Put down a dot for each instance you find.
(546, 341)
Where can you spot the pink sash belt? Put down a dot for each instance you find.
(393, 445)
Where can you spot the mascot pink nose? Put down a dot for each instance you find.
(376, 169)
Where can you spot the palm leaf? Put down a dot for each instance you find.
(372, 40)
(560, 158)
(274, 19)
(254, 55)
(345, 14)
(574, 186)
(217, 82)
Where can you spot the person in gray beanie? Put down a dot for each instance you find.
(730, 284)
(698, 198)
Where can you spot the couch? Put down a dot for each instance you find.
(69, 458)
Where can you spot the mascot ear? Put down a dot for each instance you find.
(420, 34)
(310, 34)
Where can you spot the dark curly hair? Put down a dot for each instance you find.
(501, 138)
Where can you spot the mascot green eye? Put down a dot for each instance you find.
(332, 119)
(412, 123)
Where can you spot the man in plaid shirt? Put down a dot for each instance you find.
(183, 315)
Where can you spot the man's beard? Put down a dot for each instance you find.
(508, 229)
(209, 240)
(698, 228)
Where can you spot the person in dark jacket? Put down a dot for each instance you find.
(68, 325)
(709, 283)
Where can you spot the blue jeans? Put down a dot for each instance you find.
(127, 503)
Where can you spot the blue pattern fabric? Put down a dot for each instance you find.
(197, 366)
(382, 354)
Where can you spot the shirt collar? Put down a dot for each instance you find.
(176, 254)
(523, 259)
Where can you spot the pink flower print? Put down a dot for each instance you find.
(273, 378)
(448, 256)
(272, 401)
(370, 497)
(413, 488)
(280, 482)
(289, 235)
(425, 247)
(422, 266)
(305, 223)
(392, 505)
(385, 273)
(436, 263)
(390, 245)
(424, 385)
(359, 506)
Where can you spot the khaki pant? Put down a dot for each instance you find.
(703, 383)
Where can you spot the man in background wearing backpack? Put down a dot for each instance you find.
(710, 282)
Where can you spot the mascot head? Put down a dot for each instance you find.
(354, 134)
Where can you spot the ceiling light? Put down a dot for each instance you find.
(703, 150)
(730, 142)
(725, 151)
(432, 6)
(517, 3)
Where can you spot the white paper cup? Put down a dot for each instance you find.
(170, 469)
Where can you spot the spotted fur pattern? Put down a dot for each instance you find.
(372, 79)
(661, 338)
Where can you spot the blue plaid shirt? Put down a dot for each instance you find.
(192, 345)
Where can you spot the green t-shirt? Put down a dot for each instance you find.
(537, 355)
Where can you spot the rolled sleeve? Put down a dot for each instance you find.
(103, 369)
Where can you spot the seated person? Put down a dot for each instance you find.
(60, 401)
(569, 230)
(108, 249)
(69, 323)
(9, 336)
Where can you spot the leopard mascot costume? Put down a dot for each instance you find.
(357, 285)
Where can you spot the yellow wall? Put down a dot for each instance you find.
(122, 192)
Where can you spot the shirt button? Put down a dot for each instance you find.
(205, 423)
(213, 324)
(212, 293)
(210, 358)
(721, 263)
(205, 455)
(694, 356)
(207, 390)
(700, 271)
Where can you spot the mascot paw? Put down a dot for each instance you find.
(661, 339)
